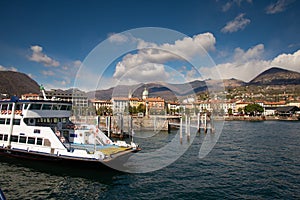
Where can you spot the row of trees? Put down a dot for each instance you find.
(251, 109)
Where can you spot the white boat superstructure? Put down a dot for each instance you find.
(42, 128)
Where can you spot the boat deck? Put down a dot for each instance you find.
(106, 150)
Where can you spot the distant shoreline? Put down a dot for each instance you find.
(260, 118)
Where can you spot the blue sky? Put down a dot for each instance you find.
(53, 41)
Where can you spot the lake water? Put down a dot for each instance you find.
(251, 160)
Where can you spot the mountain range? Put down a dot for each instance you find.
(16, 83)
(271, 77)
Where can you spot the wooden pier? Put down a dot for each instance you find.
(202, 122)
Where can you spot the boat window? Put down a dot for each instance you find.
(7, 121)
(31, 140)
(18, 107)
(5, 138)
(35, 106)
(14, 138)
(37, 131)
(1, 136)
(22, 139)
(69, 108)
(39, 141)
(25, 106)
(55, 120)
(47, 107)
(56, 107)
(17, 121)
(63, 107)
(4, 106)
(2, 121)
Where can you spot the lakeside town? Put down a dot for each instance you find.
(235, 106)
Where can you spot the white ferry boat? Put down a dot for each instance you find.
(41, 130)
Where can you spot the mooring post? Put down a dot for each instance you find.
(186, 124)
(198, 123)
(189, 129)
(108, 125)
(180, 130)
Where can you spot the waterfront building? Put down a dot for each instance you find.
(101, 103)
(156, 105)
(240, 105)
(30, 96)
(120, 104)
(135, 102)
(294, 103)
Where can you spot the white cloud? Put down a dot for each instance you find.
(239, 23)
(246, 65)
(288, 61)
(150, 57)
(278, 6)
(240, 56)
(48, 73)
(40, 57)
(117, 38)
(146, 72)
(77, 63)
(231, 3)
(3, 68)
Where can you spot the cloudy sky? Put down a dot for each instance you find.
(62, 43)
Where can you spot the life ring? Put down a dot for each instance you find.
(107, 142)
(31, 122)
(9, 112)
(3, 112)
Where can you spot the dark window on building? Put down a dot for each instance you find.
(39, 141)
(14, 138)
(2, 121)
(1, 136)
(5, 138)
(7, 121)
(22, 139)
(31, 140)
(37, 131)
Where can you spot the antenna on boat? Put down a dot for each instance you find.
(43, 91)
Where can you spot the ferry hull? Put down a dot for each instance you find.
(22, 156)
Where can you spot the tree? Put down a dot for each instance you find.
(253, 109)
(240, 110)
